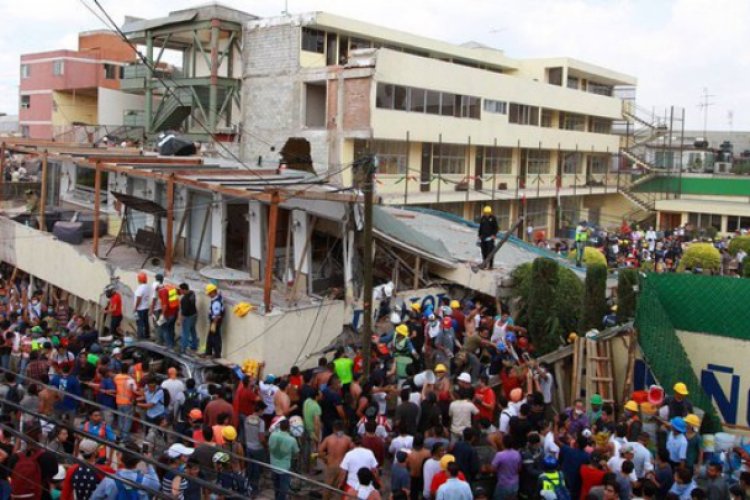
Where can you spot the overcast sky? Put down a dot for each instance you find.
(674, 47)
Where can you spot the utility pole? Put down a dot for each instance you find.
(368, 164)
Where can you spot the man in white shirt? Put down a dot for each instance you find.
(550, 448)
(402, 442)
(355, 459)
(175, 387)
(642, 458)
(142, 298)
(615, 463)
(431, 467)
(460, 412)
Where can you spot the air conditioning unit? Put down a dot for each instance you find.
(722, 167)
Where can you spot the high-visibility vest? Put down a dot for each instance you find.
(173, 298)
(582, 235)
(124, 394)
(102, 453)
(138, 372)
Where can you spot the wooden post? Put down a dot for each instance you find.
(417, 270)
(97, 204)
(43, 194)
(169, 252)
(273, 219)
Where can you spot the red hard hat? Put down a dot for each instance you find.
(447, 322)
(142, 278)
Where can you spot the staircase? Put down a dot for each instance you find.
(592, 370)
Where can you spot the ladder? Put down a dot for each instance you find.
(592, 370)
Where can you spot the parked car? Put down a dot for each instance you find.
(158, 359)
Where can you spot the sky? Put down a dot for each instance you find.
(676, 48)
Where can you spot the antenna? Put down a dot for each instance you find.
(285, 12)
(704, 105)
(730, 120)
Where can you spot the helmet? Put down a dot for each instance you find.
(142, 278)
(487, 210)
(678, 424)
(692, 420)
(447, 459)
(210, 288)
(455, 304)
(229, 433)
(402, 330)
(572, 336)
(631, 406)
(195, 414)
(516, 395)
(447, 323)
(220, 457)
(440, 368)
(596, 399)
(549, 463)
(614, 308)
(681, 389)
(416, 307)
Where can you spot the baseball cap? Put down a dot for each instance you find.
(87, 447)
(116, 351)
(464, 377)
(179, 449)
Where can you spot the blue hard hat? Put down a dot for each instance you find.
(678, 424)
(549, 463)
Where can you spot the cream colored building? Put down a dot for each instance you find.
(454, 127)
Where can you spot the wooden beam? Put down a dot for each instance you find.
(183, 220)
(273, 219)
(43, 194)
(203, 235)
(417, 270)
(97, 206)
(169, 251)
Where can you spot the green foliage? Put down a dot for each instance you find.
(544, 281)
(627, 279)
(740, 242)
(746, 268)
(594, 299)
(647, 266)
(703, 255)
(565, 314)
(590, 256)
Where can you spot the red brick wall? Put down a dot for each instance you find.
(105, 45)
(356, 100)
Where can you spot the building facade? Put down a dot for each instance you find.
(60, 89)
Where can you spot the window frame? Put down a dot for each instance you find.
(27, 103)
(534, 165)
(497, 164)
(495, 106)
(25, 71)
(58, 67)
(448, 159)
(319, 41)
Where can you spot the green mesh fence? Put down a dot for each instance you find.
(664, 306)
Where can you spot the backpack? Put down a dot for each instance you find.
(558, 487)
(167, 398)
(192, 401)
(13, 396)
(26, 477)
(125, 492)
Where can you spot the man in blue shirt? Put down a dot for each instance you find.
(153, 402)
(68, 384)
(97, 427)
(454, 488)
(149, 482)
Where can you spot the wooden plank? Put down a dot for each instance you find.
(627, 385)
(417, 271)
(273, 218)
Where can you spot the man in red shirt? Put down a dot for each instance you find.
(484, 399)
(170, 306)
(592, 474)
(114, 309)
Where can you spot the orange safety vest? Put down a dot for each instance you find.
(124, 394)
(102, 433)
(173, 298)
(138, 372)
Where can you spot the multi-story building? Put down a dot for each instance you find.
(454, 127)
(60, 89)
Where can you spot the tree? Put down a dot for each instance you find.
(595, 298)
(700, 255)
(626, 281)
(739, 242)
(542, 321)
(590, 256)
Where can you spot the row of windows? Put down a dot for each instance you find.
(426, 101)
(111, 71)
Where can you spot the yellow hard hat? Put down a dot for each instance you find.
(487, 210)
(447, 459)
(692, 420)
(631, 406)
(416, 307)
(210, 288)
(614, 308)
(572, 336)
(229, 433)
(681, 389)
(242, 309)
(455, 304)
(440, 368)
(402, 330)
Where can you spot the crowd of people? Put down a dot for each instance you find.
(455, 406)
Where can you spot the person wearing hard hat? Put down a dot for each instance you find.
(595, 413)
(679, 405)
(610, 319)
(142, 302)
(459, 319)
(488, 228)
(215, 319)
(677, 442)
(581, 239)
(633, 422)
(694, 440)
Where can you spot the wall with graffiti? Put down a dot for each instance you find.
(424, 296)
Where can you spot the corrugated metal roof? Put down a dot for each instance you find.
(397, 231)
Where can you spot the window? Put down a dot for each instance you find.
(470, 107)
(400, 98)
(523, 115)
(571, 163)
(500, 209)
(448, 104)
(389, 96)
(25, 71)
(384, 96)
(313, 40)
(25, 131)
(432, 102)
(599, 88)
(110, 71)
(448, 159)
(391, 156)
(598, 164)
(359, 43)
(601, 126)
(58, 68)
(416, 103)
(498, 160)
(85, 180)
(25, 101)
(536, 213)
(315, 104)
(703, 221)
(547, 115)
(499, 107)
(537, 161)
(735, 223)
(572, 82)
(554, 76)
(571, 121)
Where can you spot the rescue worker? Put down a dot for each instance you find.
(679, 405)
(488, 229)
(632, 420)
(215, 319)
(582, 238)
(403, 350)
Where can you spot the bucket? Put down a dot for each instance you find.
(723, 441)
(639, 397)
(709, 443)
(426, 377)
(656, 395)
(401, 363)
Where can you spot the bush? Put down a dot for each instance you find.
(627, 279)
(567, 303)
(595, 298)
(740, 242)
(703, 255)
(590, 256)
(746, 268)
(542, 321)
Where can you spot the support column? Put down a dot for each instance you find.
(148, 105)
(273, 217)
(170, 225)
(97, 205)
(43, 193)
(255, 232)
(213, 88)
(300, 232)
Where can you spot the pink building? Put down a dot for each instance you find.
(61, 88)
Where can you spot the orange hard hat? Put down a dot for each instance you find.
(142, 278)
